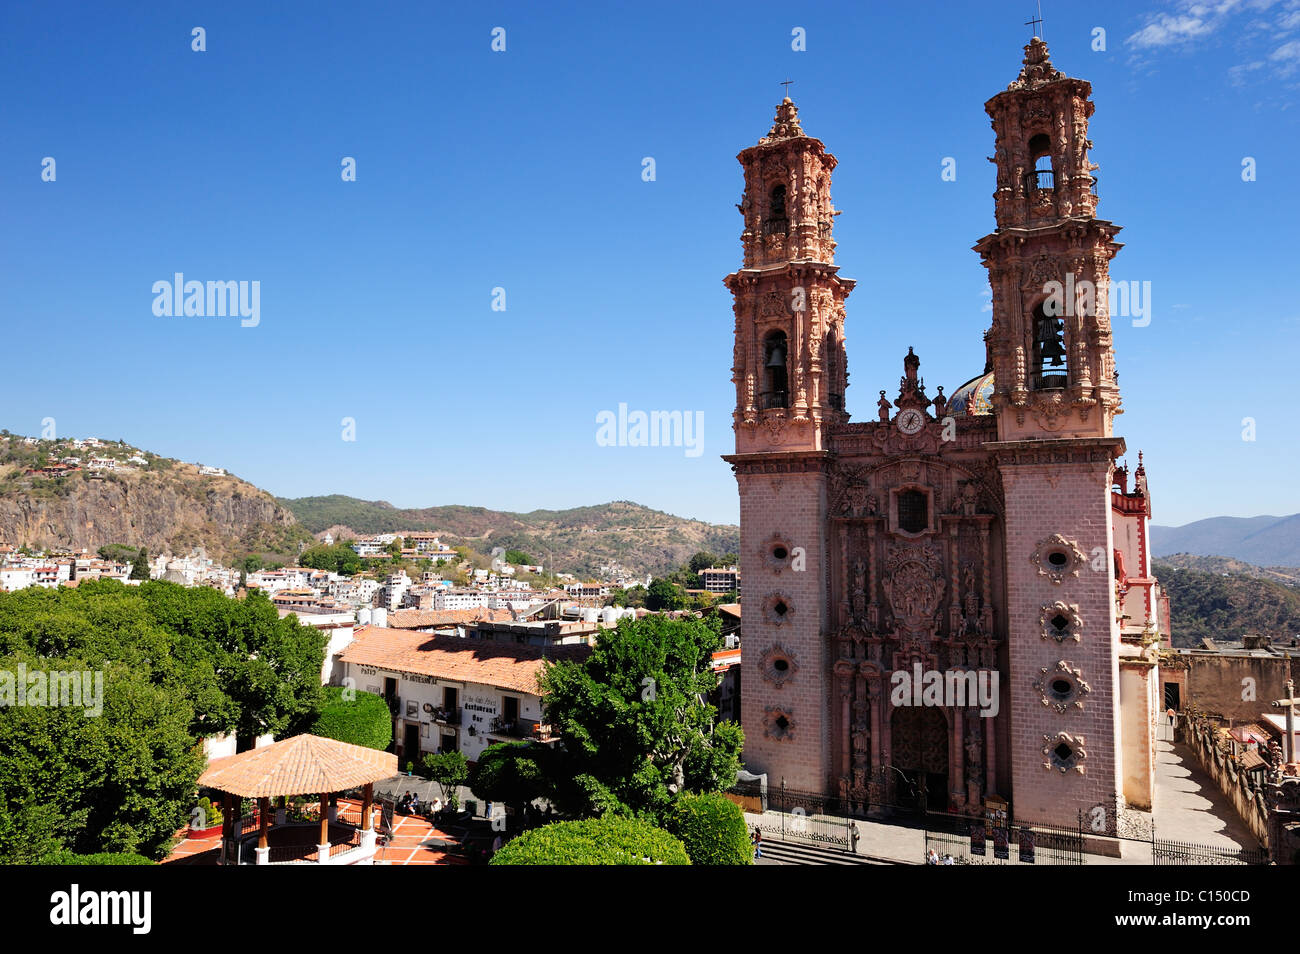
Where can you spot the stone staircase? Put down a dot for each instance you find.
(799, 853)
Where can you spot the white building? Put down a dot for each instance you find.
(452, 694)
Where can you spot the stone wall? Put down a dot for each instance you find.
(1242, 790)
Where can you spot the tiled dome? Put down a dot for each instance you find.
(975, 397)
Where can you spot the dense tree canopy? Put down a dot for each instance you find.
(713, 829)
(356, 717)
(336, 558)
(159, 666)
(594, 841)
(513, 773)
(634, 719)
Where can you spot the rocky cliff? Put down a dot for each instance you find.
(166, 506)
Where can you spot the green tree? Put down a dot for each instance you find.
(349, 715)
(117, 553)
(140, 568)
(519, 558)
(594, 841)
(713, 829)
(450, 770)
(252, 563)
(633, 720)
(663, 595)
(702, 561)
(513, 773)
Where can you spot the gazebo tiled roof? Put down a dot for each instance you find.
(300, 765)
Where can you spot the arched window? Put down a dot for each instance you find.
(913, 511)
(834, 387)
(1040, 151)
(1050, 369)
(777, 220)
(775, 390)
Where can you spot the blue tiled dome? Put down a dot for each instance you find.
(974, 397)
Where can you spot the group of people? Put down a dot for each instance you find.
(410, 804)
(932, 858)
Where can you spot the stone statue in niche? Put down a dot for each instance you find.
(859, 586)
(969, 498)
(861, 747)
(974, 756)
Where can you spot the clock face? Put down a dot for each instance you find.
(910, 421)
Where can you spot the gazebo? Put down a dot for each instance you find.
(300, 765)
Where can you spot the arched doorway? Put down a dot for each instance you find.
(920, 753)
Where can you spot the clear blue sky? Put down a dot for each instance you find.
(522, 169)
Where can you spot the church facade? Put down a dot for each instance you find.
(937, 605)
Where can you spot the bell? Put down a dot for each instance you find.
(777, 357)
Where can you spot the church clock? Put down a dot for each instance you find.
(910, 421)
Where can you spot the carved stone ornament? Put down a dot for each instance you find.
(1060, 621)
(778, 723)
(1064, 752)
(1055, 557)
(776, 553)
(778, 609)
(1062, 686)
(778, 665)
(914, 585)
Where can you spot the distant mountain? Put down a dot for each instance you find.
(1264, 541)
(1226, 566)
(579, 540)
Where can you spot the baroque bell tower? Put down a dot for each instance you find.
(790, 377)
(789, 300)
(1055, 398)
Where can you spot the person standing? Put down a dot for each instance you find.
(757, 839)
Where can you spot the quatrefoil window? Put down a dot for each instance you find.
(1060, 621)
(778, 609)
(778, 724)
(1063, 752)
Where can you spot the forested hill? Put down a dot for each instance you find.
(1225, 606)
(579, 540)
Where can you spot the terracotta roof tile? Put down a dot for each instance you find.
(299, 765)
(511, 666)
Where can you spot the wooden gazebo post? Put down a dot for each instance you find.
(367, 809)
(324, 846)
(263, 822)
(227, 824)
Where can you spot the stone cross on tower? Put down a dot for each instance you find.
(1290, 702)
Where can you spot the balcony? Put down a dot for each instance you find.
(775, 399)
(444, 716)
(779, 226)
(521, 729)
(1040, 180)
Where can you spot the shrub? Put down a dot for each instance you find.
(713, 829)
(212, 816)
(594, 841)
(363, 720)
(101, 858)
